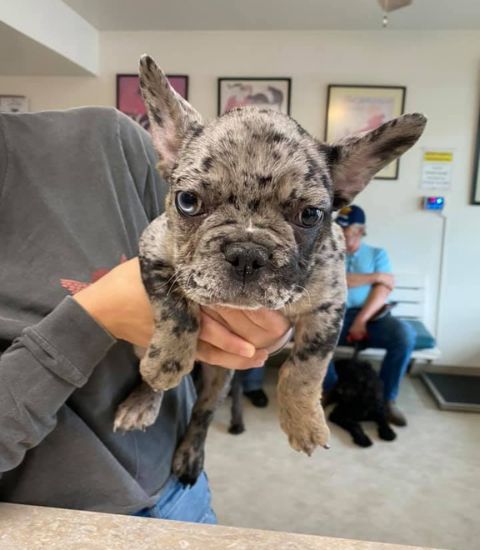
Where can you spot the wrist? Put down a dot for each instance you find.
(361, 319)
(97, 309)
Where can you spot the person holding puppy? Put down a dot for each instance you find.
(77, 189)
(370, 281)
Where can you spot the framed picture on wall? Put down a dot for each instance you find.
(272, 93)
(129, 97)
(476, 168)
(13, 104)
(352, 109)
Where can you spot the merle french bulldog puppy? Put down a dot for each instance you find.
(248, 224)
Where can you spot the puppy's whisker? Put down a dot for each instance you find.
(177, 276)
(167, 282)
(307, 293)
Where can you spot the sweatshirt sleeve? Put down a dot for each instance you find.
(141, 160)
(40, 370)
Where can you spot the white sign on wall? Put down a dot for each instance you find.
(437, 170)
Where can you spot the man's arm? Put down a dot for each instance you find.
(381, 289)
(375, 301)
(362, 279)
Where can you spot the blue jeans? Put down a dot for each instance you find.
(180, 503)
(389, 333)
(252, 379)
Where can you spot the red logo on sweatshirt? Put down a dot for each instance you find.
(74, 286)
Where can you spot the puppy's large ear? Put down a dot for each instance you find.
(172, 119)
(354, 160)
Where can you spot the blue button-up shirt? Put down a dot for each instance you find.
(367, 259)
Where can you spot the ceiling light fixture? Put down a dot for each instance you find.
(391, 5)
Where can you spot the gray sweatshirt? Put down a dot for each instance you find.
(77, 188)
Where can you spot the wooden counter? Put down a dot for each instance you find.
(34, 527)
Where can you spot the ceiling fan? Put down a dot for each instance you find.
(392, 5)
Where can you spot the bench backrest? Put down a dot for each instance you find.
(410, 294)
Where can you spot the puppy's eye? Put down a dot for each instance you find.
(310, 216)
(188, 203)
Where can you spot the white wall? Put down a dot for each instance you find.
(440, 71)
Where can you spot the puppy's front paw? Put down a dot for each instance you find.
(306, 430)
(163, 373)
(139, 410)
(386, 433)
(362, 440)
(188, 464)
(236, 429)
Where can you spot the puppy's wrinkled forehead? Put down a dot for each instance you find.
(252, 150)
(252, 147)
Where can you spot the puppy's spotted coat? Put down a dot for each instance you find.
(248, 223)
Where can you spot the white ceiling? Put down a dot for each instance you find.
(135, 15)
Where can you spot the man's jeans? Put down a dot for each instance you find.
(389, 333)
(252, 379)
(180, 503)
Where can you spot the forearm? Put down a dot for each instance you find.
(375, 301)
(40, 371)
(361, 279)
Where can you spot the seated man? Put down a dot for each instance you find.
(370, 281)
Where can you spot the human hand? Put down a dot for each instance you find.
(386, 279)
(229, 338)
(358, 331)
(251, 334)
(118, 301)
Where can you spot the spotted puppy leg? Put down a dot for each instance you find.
(300, 381)
(189, 456)
(171, 352)
(236, 422)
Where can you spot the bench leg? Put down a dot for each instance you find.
(414, 369)
(410, 368)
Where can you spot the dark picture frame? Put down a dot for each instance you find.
(475, 198)
(353, 108)
(129, 99)
(241, 91)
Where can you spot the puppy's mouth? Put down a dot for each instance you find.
(228, 289)
(241, 300)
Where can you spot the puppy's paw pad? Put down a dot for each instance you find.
(187, 464)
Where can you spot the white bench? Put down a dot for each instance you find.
(409, 293)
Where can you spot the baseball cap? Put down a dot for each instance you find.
(350, 215)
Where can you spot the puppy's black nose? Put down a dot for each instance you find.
(247, 260)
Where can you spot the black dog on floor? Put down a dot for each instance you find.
(359, 396)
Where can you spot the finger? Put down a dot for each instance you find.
(272, 321)
(260, 327)
(214, 333)
(215, 356)
(242, 325)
